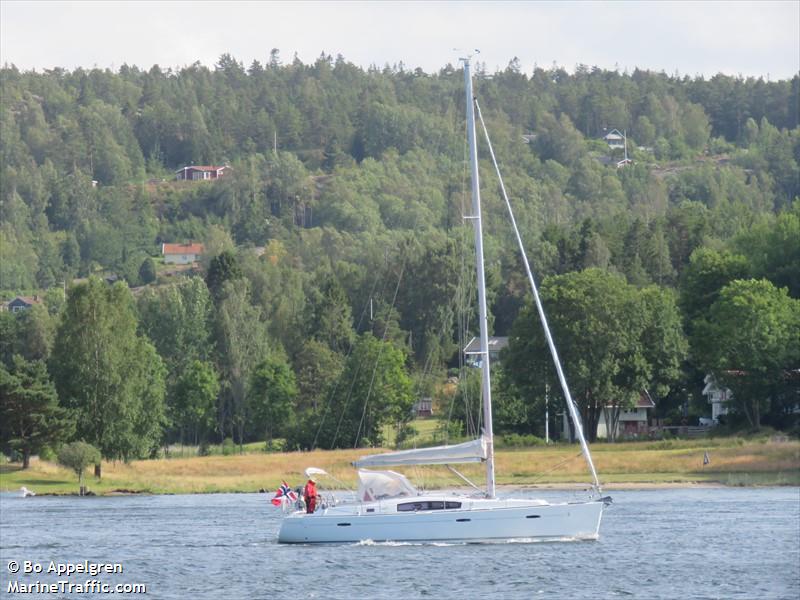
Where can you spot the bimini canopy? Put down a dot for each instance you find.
(313, 471)
(474, 451)
(377, 485)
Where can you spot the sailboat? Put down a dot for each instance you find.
(389, 508)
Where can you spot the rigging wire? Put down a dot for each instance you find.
(557, 466)
(355, 377)
(346, 402)
(463, 304)
(446, 319)
(335, 388)
(446, 324)
(380, 351)
(573, 409)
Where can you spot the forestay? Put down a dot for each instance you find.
(468, 452)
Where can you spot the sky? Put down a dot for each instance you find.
(689, 38)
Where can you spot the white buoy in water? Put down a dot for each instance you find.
(26, 492)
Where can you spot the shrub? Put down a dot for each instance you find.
(147, 271)
(516, 440)
(77, 456)
(228, 447)
(406, 432)
(48, 454)
(275, 445)
(664, 444)
(450, 431)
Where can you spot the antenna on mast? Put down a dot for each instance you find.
(467, 57)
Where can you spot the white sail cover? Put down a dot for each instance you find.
(312, 471)
(377, 485)
(474, 451)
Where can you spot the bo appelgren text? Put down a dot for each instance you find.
(70, 568)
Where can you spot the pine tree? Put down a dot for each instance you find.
(30, 417)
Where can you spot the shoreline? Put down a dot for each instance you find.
(624, 466)
(506, 487)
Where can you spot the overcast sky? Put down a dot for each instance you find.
(694, 38)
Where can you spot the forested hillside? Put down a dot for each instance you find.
(335, 288)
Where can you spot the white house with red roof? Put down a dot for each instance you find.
(201, 172)
(181, 254)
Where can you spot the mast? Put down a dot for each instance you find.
(486, 387)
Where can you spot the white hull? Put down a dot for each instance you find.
(477, 520)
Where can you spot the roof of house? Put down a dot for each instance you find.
(181, 249)
(495, 345)
(614, 134)
(203, 168)
(645, 400)
(29, 300)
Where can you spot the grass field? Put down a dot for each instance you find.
(733, 461)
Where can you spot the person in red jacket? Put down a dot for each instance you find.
(310, 495)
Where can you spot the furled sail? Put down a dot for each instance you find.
(474, 451)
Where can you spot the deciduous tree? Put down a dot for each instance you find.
(270, 395)
(375, 390)
(750, 343)
(77, 456)
(194, 404)
(610, 341)
(111, 376)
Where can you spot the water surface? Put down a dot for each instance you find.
(675, 543)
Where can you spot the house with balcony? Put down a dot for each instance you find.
(717, 396)
(21, 303)
(614, 139)
(201, 172)
(472, 353)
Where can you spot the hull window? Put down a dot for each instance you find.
(427, 505)
(423, 505)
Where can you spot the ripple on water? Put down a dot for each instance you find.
(654, 545)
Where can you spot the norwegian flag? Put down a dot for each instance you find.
(284, 492)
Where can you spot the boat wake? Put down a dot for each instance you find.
(522, 540)
(544, 540)
(400, 544)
